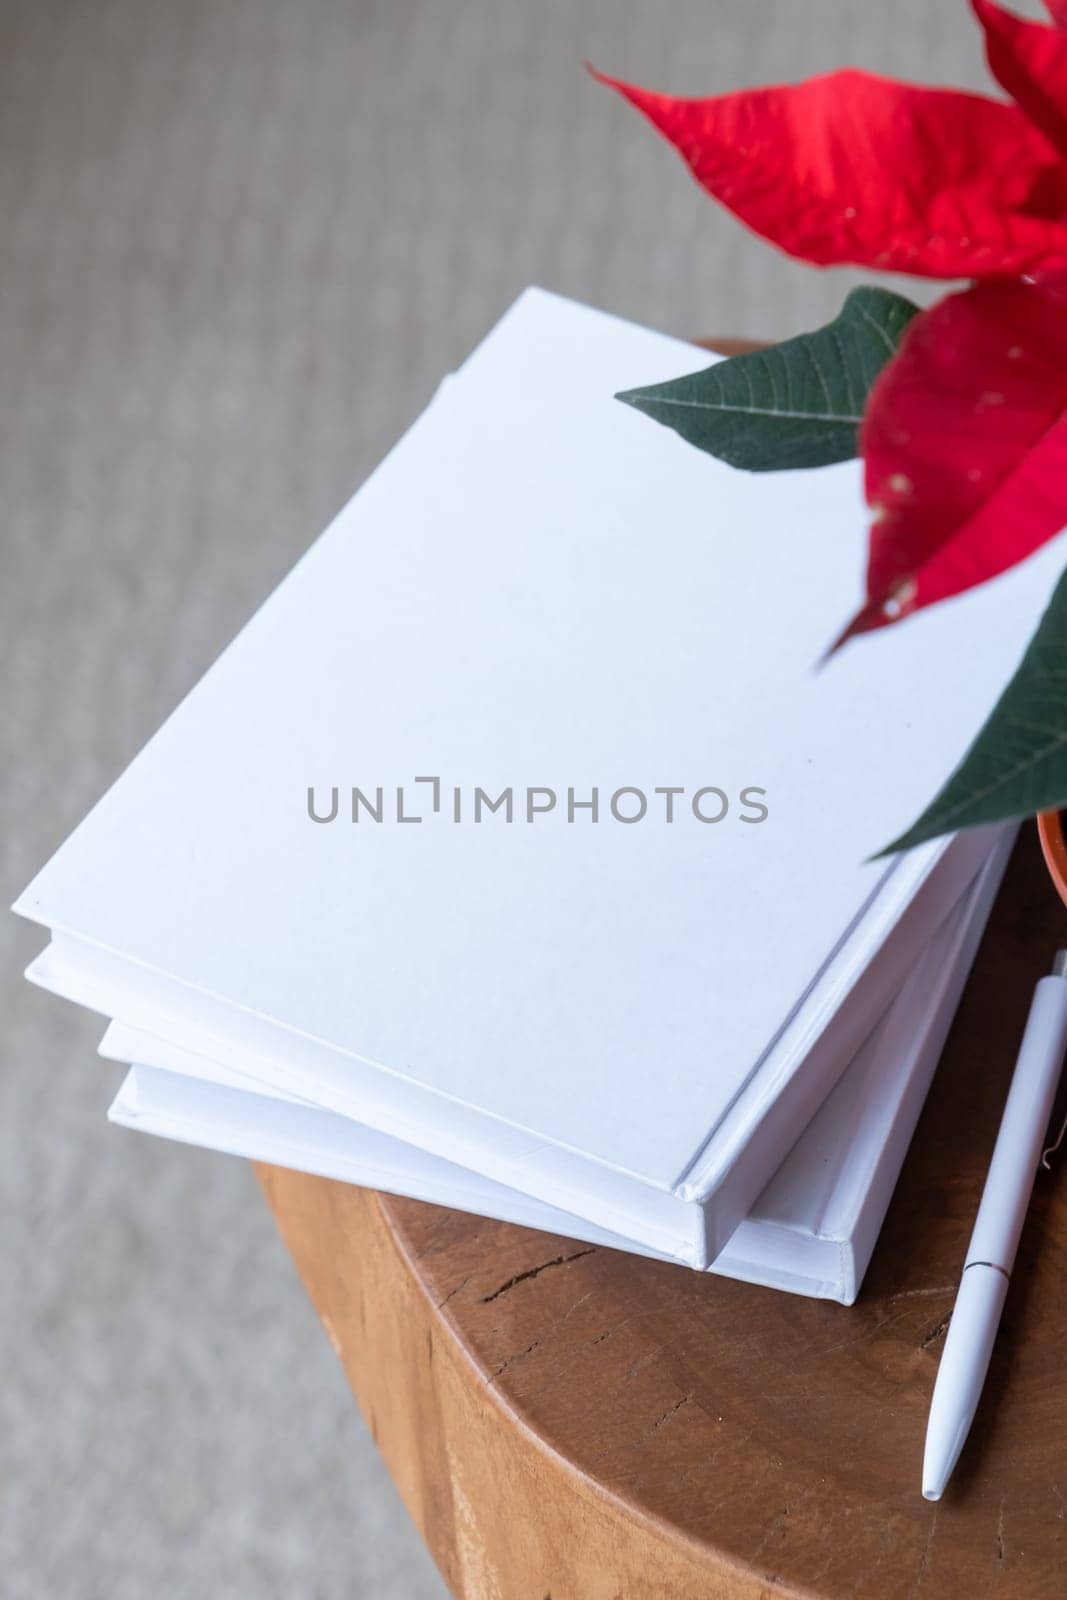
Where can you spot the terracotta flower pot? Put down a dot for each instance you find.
(1054, 849)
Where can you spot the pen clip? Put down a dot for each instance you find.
(1059, 970)
(1050, 1150)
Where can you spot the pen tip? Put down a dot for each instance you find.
(931, 1494)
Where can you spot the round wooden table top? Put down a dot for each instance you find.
(571, 1423)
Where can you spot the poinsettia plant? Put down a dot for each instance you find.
(958, 411)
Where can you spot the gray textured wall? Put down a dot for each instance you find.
(239, 242)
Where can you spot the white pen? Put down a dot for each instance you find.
(995, 1239)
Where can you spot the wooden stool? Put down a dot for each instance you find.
(571, 1423)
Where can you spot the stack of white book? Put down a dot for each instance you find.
(516, 857)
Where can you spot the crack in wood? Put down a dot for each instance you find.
(934, 1334)
(661, 1421)
(453, 1292)
(535, 1272)
(518, 1356)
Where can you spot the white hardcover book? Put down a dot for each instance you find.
(811, 1231)
(666, 1223)
(538, 595)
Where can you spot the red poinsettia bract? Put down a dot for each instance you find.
(965, 445)
(965, 434)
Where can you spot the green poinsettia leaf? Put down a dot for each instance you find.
(1018, 763)
(797, 404)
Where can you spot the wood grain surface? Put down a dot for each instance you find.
(570, 1423)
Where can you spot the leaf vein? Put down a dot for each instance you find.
(753, 410)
